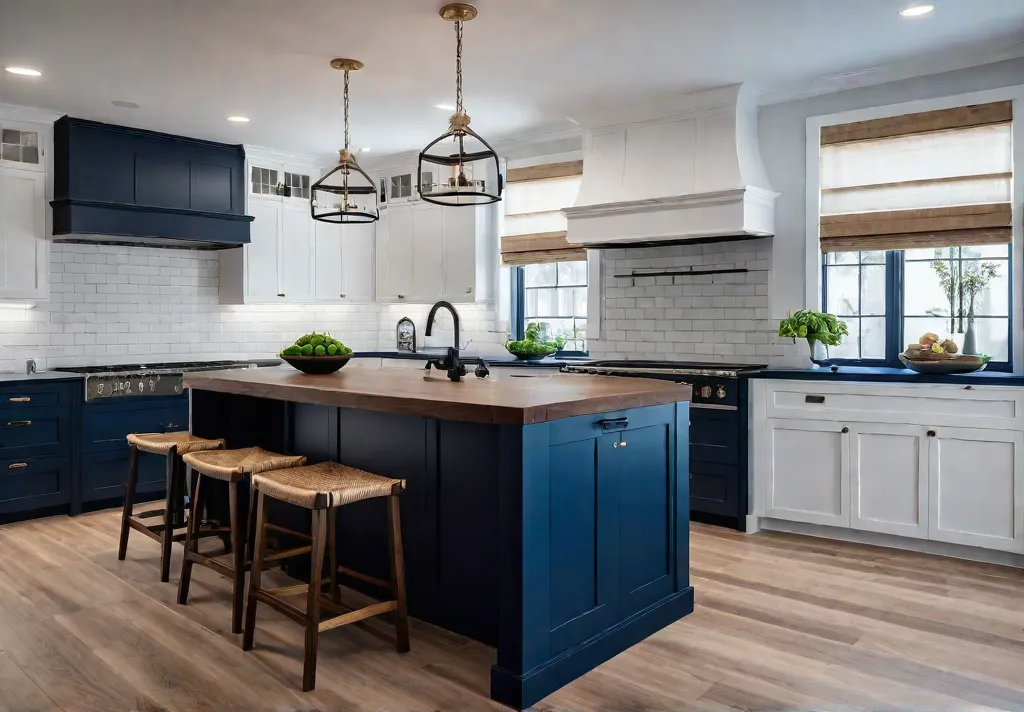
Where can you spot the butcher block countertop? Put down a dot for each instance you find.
(514, 401)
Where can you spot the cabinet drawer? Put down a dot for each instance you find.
(34, 483)
(925, 404)
(106, 426)
(34, 395)
(105, 473)
(34, 431)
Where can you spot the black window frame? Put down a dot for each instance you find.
(894, 308)
(517, 319)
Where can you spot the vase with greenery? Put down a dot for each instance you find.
(814, 327)
(961, 284)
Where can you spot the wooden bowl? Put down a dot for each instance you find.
(944, 364)
(317, 365)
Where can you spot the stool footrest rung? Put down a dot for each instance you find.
(211, 563)
(149, 513)
(287, 553)
(289, 532)
(357, 615)
(364, 577)
(280, 606)
(287, 590)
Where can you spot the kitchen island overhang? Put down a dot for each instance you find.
(547, 517)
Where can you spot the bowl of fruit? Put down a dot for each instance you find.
(317, 354)
(932, 354)
(533, 347)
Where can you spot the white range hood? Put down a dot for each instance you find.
(691, 172)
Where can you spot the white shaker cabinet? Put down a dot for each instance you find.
(296, 253)
(428, 252)
(24, 263)
(809, 472)
(461, 251)
(394, 254)
(344, 263)
(261, 255)
(889, 479)
(977, 488)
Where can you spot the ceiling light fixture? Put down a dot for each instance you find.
(24, 71)
(365, 149)
(444, 107)
(346, 180)
(466, 177)
(239, 119)
(917, 10)
(124, 104)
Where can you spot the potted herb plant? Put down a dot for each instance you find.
(814, 327)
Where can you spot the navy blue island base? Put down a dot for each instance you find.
(560, 543)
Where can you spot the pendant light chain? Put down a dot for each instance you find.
(344, 172)
(346, 109)
(458, 67)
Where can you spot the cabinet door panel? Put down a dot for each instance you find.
(399, 256)
(889, 479)
(428, 252)
(329, 263)
(460, 254)
(357, 263)
(642, 474)
(976, 488)
(297, 254)
(261, 257)
(22, 249)
(33, 483)
(808, 472)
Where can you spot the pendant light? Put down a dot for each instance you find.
(345, 194)
(467, 174)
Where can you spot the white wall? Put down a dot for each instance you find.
(782, 132)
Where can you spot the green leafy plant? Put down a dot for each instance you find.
(814, 326)
(532, 346)
(961, 283)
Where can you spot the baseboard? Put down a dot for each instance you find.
(522, 691)
(937, 548)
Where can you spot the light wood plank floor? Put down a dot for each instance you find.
(782, 622)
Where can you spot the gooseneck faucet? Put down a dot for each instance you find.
(456, 370)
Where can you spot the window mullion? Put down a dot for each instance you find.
(894, 302)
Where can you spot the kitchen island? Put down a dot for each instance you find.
(547, 516)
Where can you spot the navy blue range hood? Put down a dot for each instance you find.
(119, 185)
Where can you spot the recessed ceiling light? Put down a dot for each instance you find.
(444, 107)
(25, 71)
(124, 104)
(365, 149)
(239, 119)
(917, 10)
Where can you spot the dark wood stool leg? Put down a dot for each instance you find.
(170, 503)
(257, 571)
(332, 552)
(129, 501)
(319, 534)
(238, 559)
(398, 574)
(191, 538)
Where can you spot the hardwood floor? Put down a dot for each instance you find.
(782, 622)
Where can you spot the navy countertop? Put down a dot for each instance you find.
(493, 360)
(39, 377)
(889, 375)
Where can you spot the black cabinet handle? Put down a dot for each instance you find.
(931, 433)
(18, 423)
(814, 399)
(844, 430)
(613, 423)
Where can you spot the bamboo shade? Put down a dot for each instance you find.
(961, 117)
(539, 248)
(912, 229)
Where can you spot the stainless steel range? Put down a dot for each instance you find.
(718, 430)
(153, 379)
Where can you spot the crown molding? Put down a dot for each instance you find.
(920, 66)
(33, 114)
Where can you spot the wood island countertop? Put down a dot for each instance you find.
(511, 401)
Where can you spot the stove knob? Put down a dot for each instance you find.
(721, 392)
(705, 392)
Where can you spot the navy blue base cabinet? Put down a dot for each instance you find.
(560, 543)
(104, 445)
(37, 447)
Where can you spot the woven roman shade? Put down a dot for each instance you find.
(534, 226)
(932, 179)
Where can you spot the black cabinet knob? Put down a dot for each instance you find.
(845, 430)
(931, 433)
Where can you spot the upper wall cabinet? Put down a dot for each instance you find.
(24, 252)
(116, 182)
(429, 252)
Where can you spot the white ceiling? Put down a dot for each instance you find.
(529, 63)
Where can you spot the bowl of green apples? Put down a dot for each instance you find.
(317, 354)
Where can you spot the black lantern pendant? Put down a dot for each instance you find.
(345, 194)
(467, 173)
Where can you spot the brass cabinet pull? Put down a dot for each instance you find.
(814, 399)
(18, 423)
(17, 465)
(21, 399)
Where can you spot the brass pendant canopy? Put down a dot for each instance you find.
(468, 172)
(345, 194)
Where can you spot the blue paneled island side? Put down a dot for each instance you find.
(547, 517)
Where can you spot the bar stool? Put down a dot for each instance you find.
(321, 488)
(231, 466)
(171, 446)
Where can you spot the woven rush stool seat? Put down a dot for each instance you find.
(170, 446)
(183, 442)
(322, 488)
(324, 485)
(231, 466)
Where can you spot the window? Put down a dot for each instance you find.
(915, 231)
(19, 146)
(296, 185)
(549, 281)
(264, 181)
